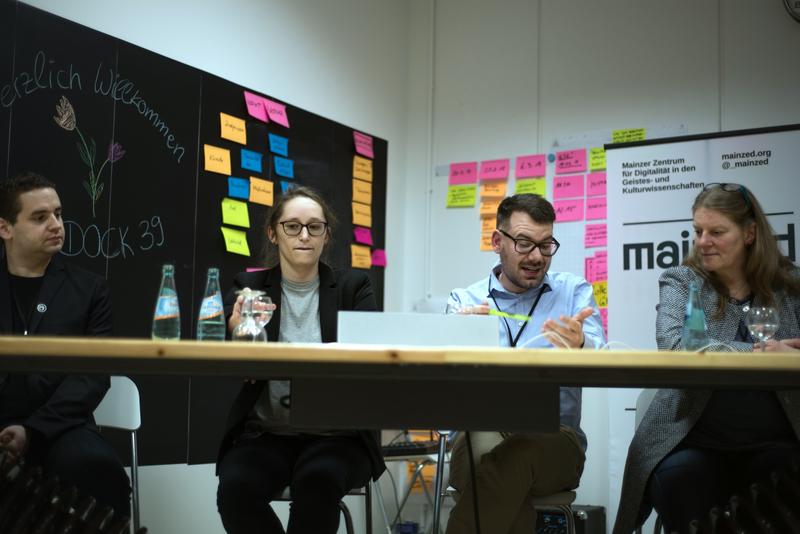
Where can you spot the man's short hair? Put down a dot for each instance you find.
(12, 188)
(535, 206)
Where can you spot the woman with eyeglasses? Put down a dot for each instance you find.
(261, 453)
(695, 448)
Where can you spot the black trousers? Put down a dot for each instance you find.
(690, 481)
(83, 458)
(319, 470)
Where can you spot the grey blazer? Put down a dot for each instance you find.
(673, 412)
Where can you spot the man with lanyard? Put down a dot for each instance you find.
(536, 309)
(47, 419)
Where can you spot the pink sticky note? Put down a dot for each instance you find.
(568, 186)
(596, 184)
(596, 208)
(588, 269)
(596, 235)
(569, 210)
(604, 318)
(276, 112)
(600, 268)
(568, 161)
(463, 173)
(379, 258)
(255, 106)
(495, 169)
(363, 144)
(363, 235)
(530, 166)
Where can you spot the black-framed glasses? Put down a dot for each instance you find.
(293, 228)
(731, 188)
(525, 246)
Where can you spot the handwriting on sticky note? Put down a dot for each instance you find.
(217, 159)
(235, 241)
(628, 135)
(488, 225)
(601, 293)
(255, 106)
(595, 184)
(496, 169)
(379, 257)
(568, 186)
(461, 196)
(596, 235)
(363, 144)
(362, 214)
(251, 160)
(486, 240)
(360, 257)
(362, 235)
(234, 212)
(463, 173)
(232, 128)
(362, 168)
(530, 166)
(278, 144)
(489, 207)
(362, 191)
(568, 210)
(276, 112)
(597, 159)
(284, 167)
(596, 208)
(534, 186)
(494, 189)
(600, 266)
(569, 161)
(261, 191)
(604, 319)
(238, 188)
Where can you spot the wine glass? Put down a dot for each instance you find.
(249, 328)
(762, 322)
(262, 309)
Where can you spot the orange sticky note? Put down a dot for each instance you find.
(488, 224)
(360, 257)
(362, 192)
(486, 241)
(217, 159)
(494, 189)
(362, 214)
(261, 191)
(362, 168)
(232, 128)
(489, 207)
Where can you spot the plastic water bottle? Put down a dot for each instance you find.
(167, 315)
(211, 319)
(695, 334)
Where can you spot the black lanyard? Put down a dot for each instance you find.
(24, 319)
(513, 342)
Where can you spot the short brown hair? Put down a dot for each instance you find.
(12, 188)
(535, 206)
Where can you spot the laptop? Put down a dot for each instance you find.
(417, 329)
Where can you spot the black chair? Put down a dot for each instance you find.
(365, 492)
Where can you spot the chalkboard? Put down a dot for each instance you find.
(142, 197)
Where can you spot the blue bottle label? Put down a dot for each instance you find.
(211, 307)
(167, 307)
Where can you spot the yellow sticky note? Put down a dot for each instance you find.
(486, 241)
(494, 190)
(235, 241)
(232, 128)
(360, 256)
(597, 159)
(489, 207)
(261, 191)
(362, 168)
(627, 135)
(461, 196)
(362, 214)
(217, 159)
(601, 293)
(235, 212)
(362, 192)
(536, 186)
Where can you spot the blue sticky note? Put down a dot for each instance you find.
(284, 167)
(251, 160)
(278, 144)
(238, 188)
(287, 186)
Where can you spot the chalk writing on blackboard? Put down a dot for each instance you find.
(114, 241)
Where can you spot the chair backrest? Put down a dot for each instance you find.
(642, 404)
(120, 407)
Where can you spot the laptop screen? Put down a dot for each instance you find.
(417, 329)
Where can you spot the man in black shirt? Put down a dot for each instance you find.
(47, 418)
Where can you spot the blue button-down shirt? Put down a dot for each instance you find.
(562, 294)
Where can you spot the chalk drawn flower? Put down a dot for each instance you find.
(115, 152)
(65, 114)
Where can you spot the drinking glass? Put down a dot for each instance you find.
(249, 328)
(262, 309)
(762, 322)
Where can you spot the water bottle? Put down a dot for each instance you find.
(211, 319)
(167, 316)
(695, 335)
